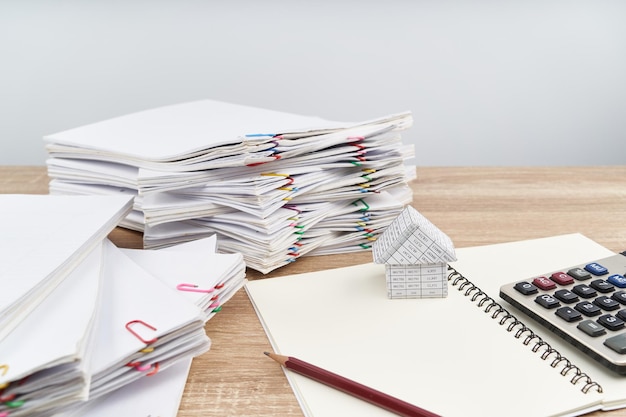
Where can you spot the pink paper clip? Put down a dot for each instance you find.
(130, 323)
(142, 368)
(192, 288)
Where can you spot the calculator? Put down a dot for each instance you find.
(584, 304)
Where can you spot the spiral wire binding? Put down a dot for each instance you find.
(512, 323)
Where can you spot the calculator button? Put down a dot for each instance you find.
(621, 314)
(620, 297)
(547, 301)
(606, 303)
(579, 274)
(584, 291)
(527, 289)
(588, 309)
(617, 343)
(611, 322)
(568, 314)
(566, 296)
(596, 269)
(544, 283)
(617, 280)
(602, 286)
(592, 328)
(561, 278)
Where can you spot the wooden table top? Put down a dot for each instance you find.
(473, 205)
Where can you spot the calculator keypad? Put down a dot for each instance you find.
(584, 304)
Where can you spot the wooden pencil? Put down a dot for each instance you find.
(380, 399)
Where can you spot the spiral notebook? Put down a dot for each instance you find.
(447, 355)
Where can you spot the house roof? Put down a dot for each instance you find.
(412, 239)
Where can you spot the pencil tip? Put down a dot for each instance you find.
(266, 353)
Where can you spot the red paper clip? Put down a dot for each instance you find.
(128, 327)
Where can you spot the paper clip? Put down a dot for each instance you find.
(5, 369)
(142, 368)
(4, 414)
(292, 207)
(191, 288)
(258, 135)
(7, 398)
(274, 174)
(360, 200)
(155, 370)
(355, 138)
(128, 327)
(15, 404)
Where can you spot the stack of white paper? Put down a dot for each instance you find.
(274, 186)
(43, 239)
(50, 261)
(108, 316)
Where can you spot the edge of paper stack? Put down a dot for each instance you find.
(80, 318)
(273, 186)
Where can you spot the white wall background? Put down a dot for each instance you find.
(489, 82)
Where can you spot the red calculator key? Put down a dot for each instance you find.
(544, 283)
(561, 278)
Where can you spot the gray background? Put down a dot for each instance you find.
(488, 82)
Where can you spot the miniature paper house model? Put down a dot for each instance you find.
(416, 255)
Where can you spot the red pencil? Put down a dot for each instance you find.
(351, 387)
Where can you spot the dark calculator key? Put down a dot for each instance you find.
(568, 314)
(584, 291)
(606, 303)
(596, 269)
(561, 278)
(525, 288)
(579, 274)
(621, 314)
(602, 286)
(566, 296)
(547, 301)
(617, 280)
(611, 322)
(544, 283)
(591, 328)
(588, 309)
(617, 343)
(620, 297)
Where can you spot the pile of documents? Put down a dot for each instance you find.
(273, 186)
(81, 318)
